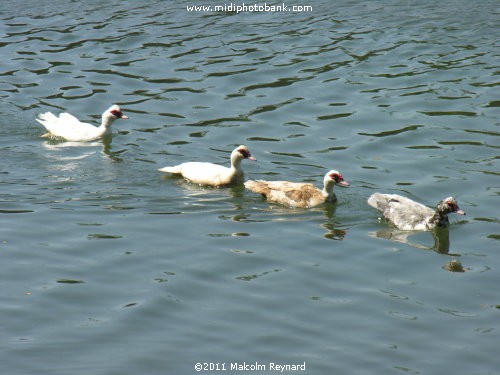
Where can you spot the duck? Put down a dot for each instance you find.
(71, 129)
(209, 174)
(407, 214)
(298, 194)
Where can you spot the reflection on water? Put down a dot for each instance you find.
(55, 144)
(440, 236)
(399, 95)
(441, 239)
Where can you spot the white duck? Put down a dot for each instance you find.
(296, 194)
(213, 174)
(406, 214)
(70, 128)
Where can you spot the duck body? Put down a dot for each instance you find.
(407, 214)
(209, 174)
(71, 129)
(297, 194)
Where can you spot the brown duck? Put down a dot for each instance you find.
(296, 194)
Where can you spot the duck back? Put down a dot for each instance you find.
(404, 213)
(292, 194)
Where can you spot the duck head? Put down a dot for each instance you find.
(335, 177)
(112, 113)
(240, 153)
(449, 205)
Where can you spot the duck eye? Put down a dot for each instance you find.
(452, 205)
(336, 177)
(245, 153)
(116, 113)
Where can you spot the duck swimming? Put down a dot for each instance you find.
(210, 174)
(296, 194)
(407, 214)
(71, 129)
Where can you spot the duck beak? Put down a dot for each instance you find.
(344, 183)
(460, 212)
(251, 158)
(124, 117)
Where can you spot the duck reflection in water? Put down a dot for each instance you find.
(332, 233)
(441, 238)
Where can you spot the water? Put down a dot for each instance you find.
(108, 267)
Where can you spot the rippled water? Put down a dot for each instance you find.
(108, 267)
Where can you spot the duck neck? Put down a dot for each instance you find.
(106, 122)
(328, 189)
(439, 219)
(236, 164)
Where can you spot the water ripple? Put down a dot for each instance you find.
(399, 96)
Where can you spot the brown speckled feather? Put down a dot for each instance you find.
(297, 194)
(288, 193)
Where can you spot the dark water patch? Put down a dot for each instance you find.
(487, 219)
(468, 143)
(298, 123)
(131, 304)
(185, 89)
(230, 73)
(460, 314)
(70, 281)
(334, 116)
(219, 121)
(484, 84)
(144, 161)
(454, 97)
(169, 114)
(256, 276)
(237, 234)
(494, 173)
(272, 107)
(417, 93)
(164, 80)
(198, 134)
(113, 72)
(486, 132)
(449, 113)
(329, 149)
(423, 147)
(101, 236)
(176, 143)
(263, 139)
(16, 211)
(127, 63)
(291, 154)
(148, 130)
(393, 132)
(280, 82)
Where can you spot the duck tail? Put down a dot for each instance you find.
(377, 201)
(258, 186)
(46, 118)
(175, 169)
